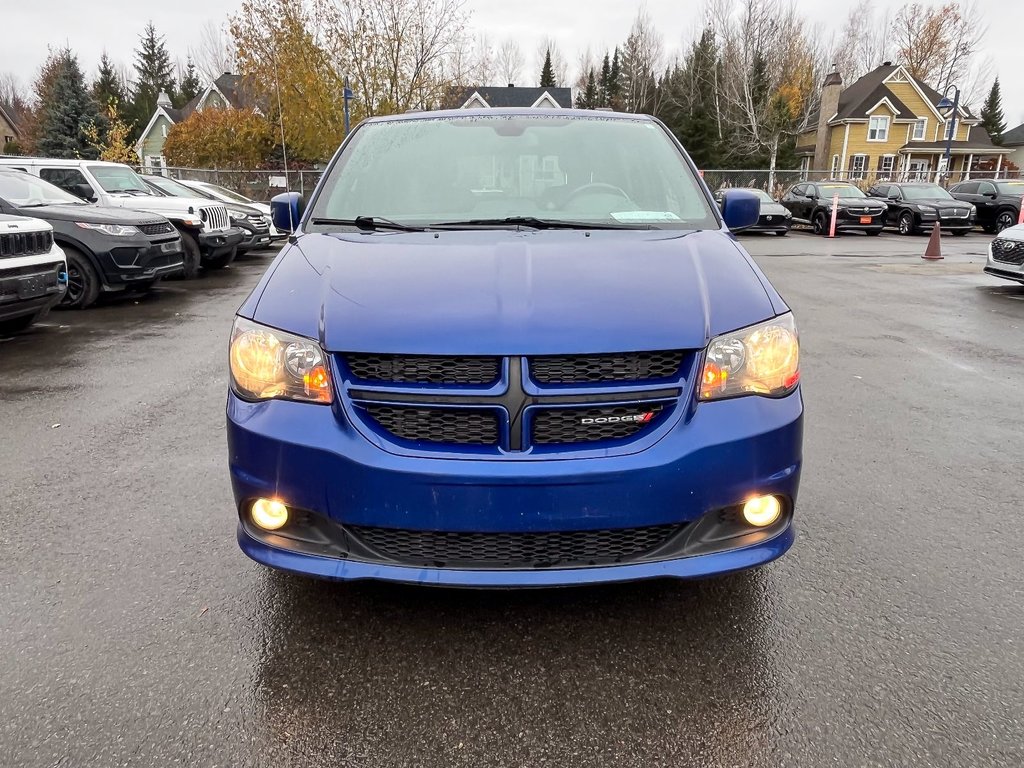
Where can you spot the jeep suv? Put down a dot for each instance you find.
(33, 273)
(811, 203)
(998, 202)
(108, 250)
(207, 237)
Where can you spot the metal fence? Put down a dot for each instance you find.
(255, 185)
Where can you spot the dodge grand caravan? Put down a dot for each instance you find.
(514, 348)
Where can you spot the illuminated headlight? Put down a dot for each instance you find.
(269, 364)
(763, 359)
(116, 230)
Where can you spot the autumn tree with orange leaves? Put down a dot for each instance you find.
(220, 138)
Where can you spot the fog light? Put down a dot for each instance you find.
(269, 514)
(762, 511)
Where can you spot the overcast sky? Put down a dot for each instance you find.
(114, 25)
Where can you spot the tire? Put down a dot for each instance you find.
(83, 282)
(906, 224)
(17, 324)
(783, 233)
(874, 232)
(819, 224)
(219, 262)
(989, 229)
(1005, 219)
(192, 256)
(961, 233)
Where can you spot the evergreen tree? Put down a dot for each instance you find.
(688, 101)
(107, 88)
(189, 87)
(67, 111)
(992, 119)
(615, 82)
(547, 73)
(153, 74)
(603, 82)
(588, 97)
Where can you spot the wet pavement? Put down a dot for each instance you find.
(133, 631)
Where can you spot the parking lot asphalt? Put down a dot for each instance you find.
(133, 631)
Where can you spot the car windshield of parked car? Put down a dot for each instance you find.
(481, 170)
(843, 190)
(930, 192)
(763, 196)
(176, 189)
(224, 192)
(25, 191)
(1010, 187)
(118, 178)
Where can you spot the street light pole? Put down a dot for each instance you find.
(346, 96)
(951, 130)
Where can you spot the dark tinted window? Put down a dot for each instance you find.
(967, 188)
(65, 178)
(986, 188)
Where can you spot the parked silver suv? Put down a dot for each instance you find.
(1006, 254)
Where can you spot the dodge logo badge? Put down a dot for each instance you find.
(639, 418)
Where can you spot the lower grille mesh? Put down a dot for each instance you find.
(1008, 251)
(455, 426)
(584, 369)
(514, 550)
(558, 426)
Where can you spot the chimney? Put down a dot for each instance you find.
(831, 90)
(163, 100)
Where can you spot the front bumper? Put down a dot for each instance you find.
(212, 244)
(714, 458)
(773, 223)
(1003, 269)
(140, 262)
(31, 290)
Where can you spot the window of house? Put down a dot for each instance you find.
(835, 166)
(858, 165)
(886, 163)
(805, 167)
(163, 130)
(878, 128)
(949, 129)
(920, 129)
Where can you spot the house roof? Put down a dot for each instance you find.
(511, 96)
(980, 142)
(9, 120)
(1013, 137)
(856, 101)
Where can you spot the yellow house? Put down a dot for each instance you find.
(888, 125)
(8, 130)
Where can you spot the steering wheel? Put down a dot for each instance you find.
(596, 187)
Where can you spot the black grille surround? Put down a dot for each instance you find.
(25, 244)
(515, 415)
(156, 228)
(589, 369)
(424, 369)
(1008, 251)
(562, 549)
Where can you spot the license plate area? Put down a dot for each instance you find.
(865, 219)
(33, 286)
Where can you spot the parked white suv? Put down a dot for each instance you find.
(207, 237)
(33, 272)
(1006, 254)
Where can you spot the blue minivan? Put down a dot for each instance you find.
(514, 348)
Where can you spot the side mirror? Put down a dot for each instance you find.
(740, 209)
(286, 210)
(83, 191)
(993, 195)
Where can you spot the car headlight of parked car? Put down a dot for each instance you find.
(763, 359)
(239, 216)
(268, 364)
(117, 230)
(927, 211)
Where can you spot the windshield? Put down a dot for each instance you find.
(931, 192)
(176, 189)
(843, 190)
(118, 178)
(219, 191)
(23, 190)
(763, 196)
(1010, 187)
(616, 172)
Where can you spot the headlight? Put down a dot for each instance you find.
(763, 359)
(117, 230)
(239, 216)
(267, 363)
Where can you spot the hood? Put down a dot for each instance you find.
(508, 292)
(161, 202)
(858, 202)
(91, 214)
(939, 202)
(248, 210)
(774, 209)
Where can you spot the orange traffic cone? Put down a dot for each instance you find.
(934, 250)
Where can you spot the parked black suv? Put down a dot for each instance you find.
(917, 206)
(774, 218)
(998, 202)
(811, 203)
(107, 249)
(254, 225)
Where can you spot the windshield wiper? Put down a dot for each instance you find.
(370, 224)
(537, 223)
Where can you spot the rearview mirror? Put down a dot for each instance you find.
(286, 210)
(740, 209)
(993, 195)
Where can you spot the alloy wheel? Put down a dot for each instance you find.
(76, 286)
(1004, 221)
(906, 224)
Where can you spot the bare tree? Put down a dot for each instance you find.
(641, 61)
(14, 98)
(214, 53)
(865, 40)
(509, 60)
